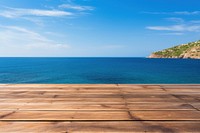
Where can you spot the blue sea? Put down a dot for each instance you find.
(99, 70)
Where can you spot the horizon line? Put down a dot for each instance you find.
(72, 57)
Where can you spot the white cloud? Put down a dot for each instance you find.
(174, 34)
(76, 7)
(179, 28)
(20, 12)
(175, 13)
(175, 19)
(17, 41)
(181, 25)
(188, 13)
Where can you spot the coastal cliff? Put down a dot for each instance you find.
(189, 50)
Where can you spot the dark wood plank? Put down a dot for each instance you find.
(99, 127)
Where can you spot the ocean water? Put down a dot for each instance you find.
(99, 70)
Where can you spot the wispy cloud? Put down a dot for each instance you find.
(20, 12)
(187, 13)
(18, 41)
(175, 13)
(179, 28)
(173, 34)
(76, 7)
(175, 19)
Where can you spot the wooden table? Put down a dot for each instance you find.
(93, 108)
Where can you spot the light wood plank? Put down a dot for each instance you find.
(67, 89)
(63, 100)
(89, 100)
(99, 115)
(196, 105)
(64, 115)
(160, 106)
(67, 107)
(58, 85)
(95, 106)
(77, 95)
(83, 89)
(166, 115)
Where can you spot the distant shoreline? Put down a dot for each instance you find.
(184, 51)
(97, 58)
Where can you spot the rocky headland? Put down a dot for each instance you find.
(187, 51)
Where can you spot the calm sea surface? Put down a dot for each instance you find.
(99, 70)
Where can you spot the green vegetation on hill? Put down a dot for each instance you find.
(189, 50)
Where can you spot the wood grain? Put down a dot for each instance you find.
(99, 127)
(69, 127)
(69, 108)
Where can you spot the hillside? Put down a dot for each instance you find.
(189, 50)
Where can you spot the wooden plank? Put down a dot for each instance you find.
(67, 107)
(141, 90)
(99, 127)
(196, 105)
(63, 100)
(99, 115)
(67, 95)
(188, 97)
(99, 108)
(64, 115)
(89, 100)
(99, 92)
(67, 89)
(79, 90)
(147, 86)
(93, 89)
(160, 106)
(77, 95)
(82, 89)
(58, 85)
(166, 115)
(146, 100)
(182, 88)
(96, 106)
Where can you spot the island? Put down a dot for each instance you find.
(187, 51)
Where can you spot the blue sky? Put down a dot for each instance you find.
(97, 28)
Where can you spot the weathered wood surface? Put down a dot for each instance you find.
(99, 127)
(67, 108)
